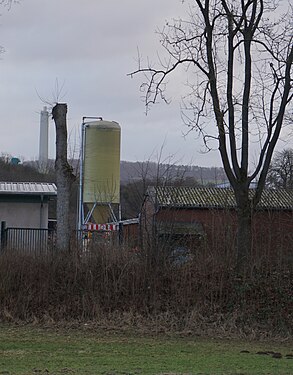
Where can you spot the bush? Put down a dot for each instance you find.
(108, 281)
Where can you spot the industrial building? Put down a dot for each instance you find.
(209, 215)
(25, 204)
(24, 215)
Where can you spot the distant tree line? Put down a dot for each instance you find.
(23, 172)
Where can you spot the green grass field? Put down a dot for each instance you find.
(31, 350)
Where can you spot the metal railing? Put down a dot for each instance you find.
(28, 239)
(42, 241)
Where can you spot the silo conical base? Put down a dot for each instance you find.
(101, 214)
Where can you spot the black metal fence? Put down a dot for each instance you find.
(42, 241)
(28, 239)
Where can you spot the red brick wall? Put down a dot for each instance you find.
(271, 229)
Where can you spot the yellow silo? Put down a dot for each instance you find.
(101, 168)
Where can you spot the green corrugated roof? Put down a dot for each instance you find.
(191, 197)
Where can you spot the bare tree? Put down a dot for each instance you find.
(8, 3)
(238, 61)
(280, 173)
(64, 177)
(164, 171)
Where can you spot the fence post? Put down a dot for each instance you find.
(3, 234)
(120, 233)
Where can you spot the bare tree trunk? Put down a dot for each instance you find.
(64, 177)
(244, 240)
(244, 229)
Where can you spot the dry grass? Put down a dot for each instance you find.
(119, 288)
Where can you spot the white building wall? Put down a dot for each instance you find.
(24, 215)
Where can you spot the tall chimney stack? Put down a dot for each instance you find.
(43, 145)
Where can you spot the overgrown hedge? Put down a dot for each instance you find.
(201, 291)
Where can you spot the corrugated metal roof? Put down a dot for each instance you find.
(216, 197)
(130, 221)
(28, 188)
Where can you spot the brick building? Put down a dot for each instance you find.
(196, 215)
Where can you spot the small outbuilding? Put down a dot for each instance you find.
(25, 204)
(193, 215)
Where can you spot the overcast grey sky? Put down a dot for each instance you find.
(88, 46)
